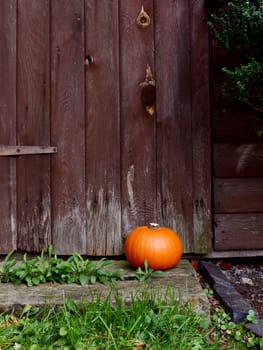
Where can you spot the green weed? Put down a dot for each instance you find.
(229, 332)
(48, 267)
(146, 273)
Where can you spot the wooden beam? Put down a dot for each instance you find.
(22, 150)
(238, 195)
(241, 231)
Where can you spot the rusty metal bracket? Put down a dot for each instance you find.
(6, 150)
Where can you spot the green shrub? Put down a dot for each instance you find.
(238, 28)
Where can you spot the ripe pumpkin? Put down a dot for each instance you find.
(160, 246)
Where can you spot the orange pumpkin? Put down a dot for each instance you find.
(160, 246)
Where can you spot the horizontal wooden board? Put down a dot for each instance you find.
(238, 160)
(238, 231)
(238, 195)
(236, 124)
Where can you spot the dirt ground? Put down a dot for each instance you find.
(247, 277)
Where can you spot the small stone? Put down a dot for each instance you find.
(238, 271)
(246, 280)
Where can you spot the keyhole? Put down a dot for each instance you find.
(143, 20)
(89, 60)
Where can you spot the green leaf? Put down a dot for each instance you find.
(83, 279)
(26, 309)
(93, 279)
(251, 317)
(63, 331)
(34, 347)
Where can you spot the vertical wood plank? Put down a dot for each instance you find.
(7, 124)
(33, 127)
(174, 136)
(201, 134)
(138, 145)
(103, 129)
(68, 126)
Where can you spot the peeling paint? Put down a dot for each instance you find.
(103, 221)
(69, 232)
(131, 204)
(34, 226)
(170, 215)
(130, 179)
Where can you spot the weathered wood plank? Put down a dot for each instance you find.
(202, 229)
(68, 126)
(238, 195)
(238, 160)
(103, 129)
(174, 137)
(33, 126)
(138, 148)
(235, 125)
(23, 150)
(8, 237)
(238, 231)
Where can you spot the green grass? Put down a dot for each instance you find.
(148, 322)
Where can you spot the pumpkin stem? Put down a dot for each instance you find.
(153, 226)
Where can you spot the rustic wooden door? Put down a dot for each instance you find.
(97, 164)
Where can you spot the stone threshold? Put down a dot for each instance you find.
(180, 283)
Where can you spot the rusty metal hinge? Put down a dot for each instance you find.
(6, 150)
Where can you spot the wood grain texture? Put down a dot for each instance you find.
(238, 195)
(201, 131)
(8, 237)
(103, 196)
(117, 167)
(174, 130)
(138, 147)
(238, 160)
(33, 126)
(68, 126)
(238, 231)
